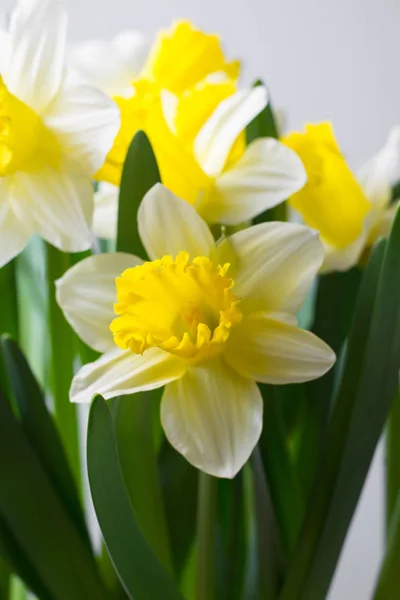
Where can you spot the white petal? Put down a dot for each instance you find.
(58, 205)
(33, 69)
(273, 265)
(213, 417)
(112, 66)
(168, 225)
(87, 293)
(266, 175)
(215, 139)
(275, 352)
(14, 233)
(382, 171)
(343, 259)
(105, 216)
(85, 122)
(120, 372)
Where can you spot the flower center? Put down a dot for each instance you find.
(186, 308)
(24, 139)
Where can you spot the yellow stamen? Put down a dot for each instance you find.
(184, 307)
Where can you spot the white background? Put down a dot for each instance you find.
(322, 59)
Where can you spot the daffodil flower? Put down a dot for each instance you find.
(205, 320)
(54, 134)
(349, 210)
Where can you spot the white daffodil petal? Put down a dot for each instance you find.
(273, 265)
(168, 225)
(33, 69)
(14, 233)
(343, 259)
(382, 171)
(87, 293)
(85, 122)
(112, 66)
(59, 206)
(266, 175)
(213, 417)
(105, 217)
(215, 139)
(120, 372)
(275, 352)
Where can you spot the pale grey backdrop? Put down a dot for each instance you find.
(322, 59)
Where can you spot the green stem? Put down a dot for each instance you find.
(392, 460)
(61, 363)
(206, 521)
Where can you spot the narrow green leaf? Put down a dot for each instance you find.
(9, 304)
(139, 174)
(367, 386)
(133, 423)
(17, 563)
(387, 587)
(334, 306)
(41, 431)
(179, 490)
(38, 522)
(286, 493)
(206, 536)
(270, 552)
(392, 459)
(264, 124)
(140, 572)
(62, 362)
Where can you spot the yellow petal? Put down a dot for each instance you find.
(332, 201)
(184, 56)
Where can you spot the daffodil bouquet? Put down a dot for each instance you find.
(225, 295)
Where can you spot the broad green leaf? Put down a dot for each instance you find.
(286, 493)
(367, 386)
(62, 357)
(139, 174)
(139, 570)
(387, 587)
(38, 522)
(179, 490)
(41, 431)
(133, 421)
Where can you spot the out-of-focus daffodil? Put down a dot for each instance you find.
(206, 321)
(349, 211)
(195, 120)
(54, 134)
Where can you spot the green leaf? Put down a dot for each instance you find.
(133, 423)
(388, 583)
(140, 572)
(336, 294)
(38, 522)
(9, 304)
(366, 389)
(264, 124)
(270, 552)
(392, 459)
(139, 174)
(286, 493)
(18, 563)
(62, 357)
(41, 431)
(396, 192)
(179, 490)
